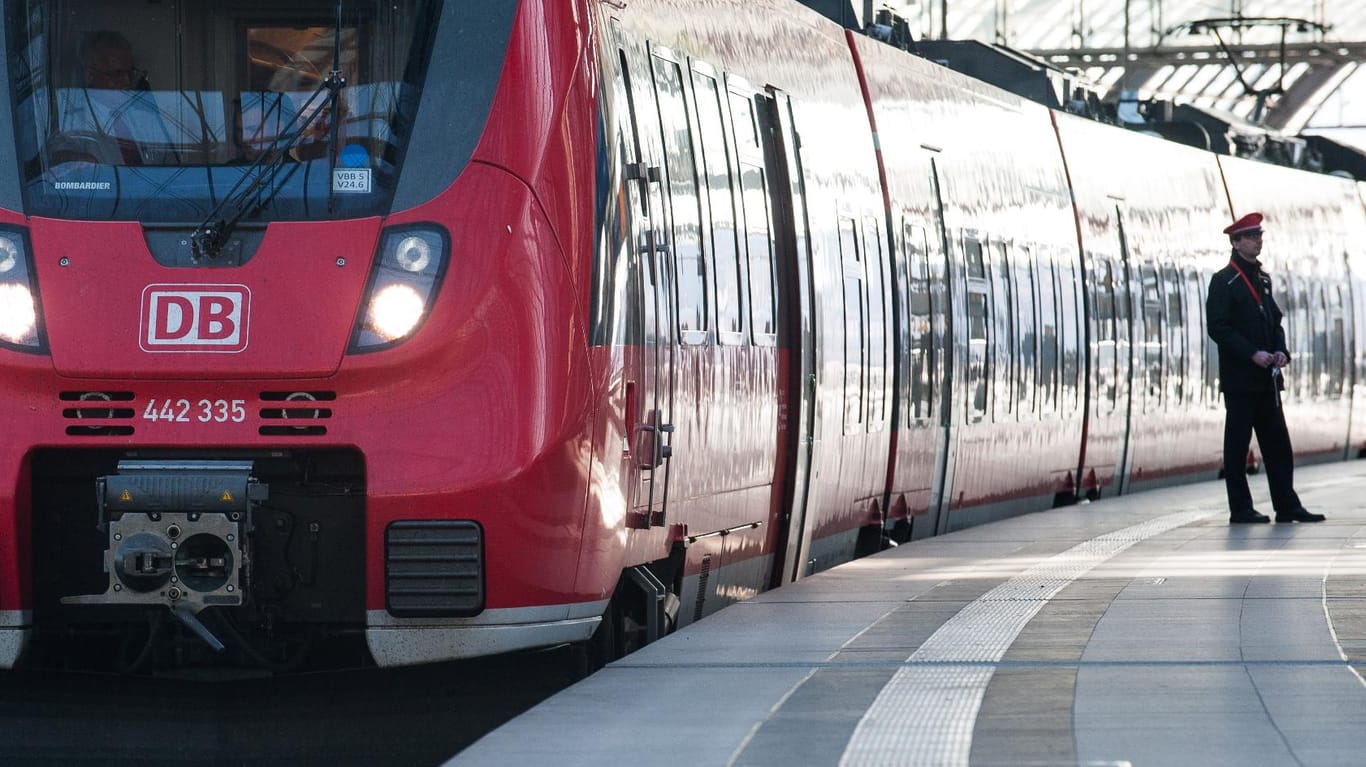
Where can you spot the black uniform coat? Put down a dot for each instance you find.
(1242, 328)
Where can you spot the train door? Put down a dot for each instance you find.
(944, 367)
(797, 329)
(651, 324)
(1128, 300)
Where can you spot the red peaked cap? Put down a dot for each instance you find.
(1252, 222)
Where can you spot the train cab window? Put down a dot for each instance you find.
(855, 323)
(874, 266)
(689, 259)
(1026, 323)
(919, 323)
(725, 249)
(979, 305)
(1107, 352)
(1003, 353)
(758, 239)
(153, 111)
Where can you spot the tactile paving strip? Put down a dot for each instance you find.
(926, 713)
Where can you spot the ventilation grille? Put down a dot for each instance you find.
(114, 414)
(434, 568)
(97, 413)
(295, 413)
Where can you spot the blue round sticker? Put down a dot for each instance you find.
(355, 156)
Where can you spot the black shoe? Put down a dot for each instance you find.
(1298, 515)
(1248, 517)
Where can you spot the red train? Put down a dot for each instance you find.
(432, 330)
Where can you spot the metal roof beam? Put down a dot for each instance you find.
(1314, 53)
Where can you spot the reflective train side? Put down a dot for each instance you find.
(1044, 276)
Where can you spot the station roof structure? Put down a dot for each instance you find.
(1292, 65)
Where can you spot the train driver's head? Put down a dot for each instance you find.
(108, 59)
(1246, 235)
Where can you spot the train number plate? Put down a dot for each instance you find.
(186, 410)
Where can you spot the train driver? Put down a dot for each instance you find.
(1245, 322)
(112, 119)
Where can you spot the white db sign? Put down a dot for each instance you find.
(195, 318)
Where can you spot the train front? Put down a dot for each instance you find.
(285, 367)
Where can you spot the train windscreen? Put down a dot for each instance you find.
(166, 110)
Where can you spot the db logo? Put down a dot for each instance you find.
(195, 318)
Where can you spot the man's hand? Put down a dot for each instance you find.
(1263, 359)
(1279, 359)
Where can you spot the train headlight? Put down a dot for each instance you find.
(20, 316)
(408, 272)
(395, 311)
(9, 255)
(413, 253)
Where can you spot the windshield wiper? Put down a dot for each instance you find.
(208, 239)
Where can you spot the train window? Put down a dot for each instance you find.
(1152, 336)
(919, 322)
(194, 94)
(720, 194)
(977, 356)
(976, 268)
(1048, 332)
(758, 239)
(979, 303)
(1027, 323)
(1175, 362)
(689, 261)
(1069, 334)
(1298, 333)
(1107, 356)
(1211, 365)
(1195, 338)
(1285, 298)
(746, 126)
(1337, 339)
(1320, 323)
(759, 246)
(855, 322)
(877, 326)
(1003, 355)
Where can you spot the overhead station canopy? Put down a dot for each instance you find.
(1293, 65)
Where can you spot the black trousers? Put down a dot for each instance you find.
(1260, 412)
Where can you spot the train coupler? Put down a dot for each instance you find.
(177, 532)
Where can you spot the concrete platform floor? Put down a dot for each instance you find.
(1141, 630)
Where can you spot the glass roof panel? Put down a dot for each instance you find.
(1057, 25)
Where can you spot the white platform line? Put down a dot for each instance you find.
(1328, 613)
(925, 714)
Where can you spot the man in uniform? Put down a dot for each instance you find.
(1245, 322)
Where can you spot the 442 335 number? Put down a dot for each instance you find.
(195, 411)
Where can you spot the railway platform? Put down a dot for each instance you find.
(1140, 630)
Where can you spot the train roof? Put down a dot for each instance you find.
(1036, 79)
